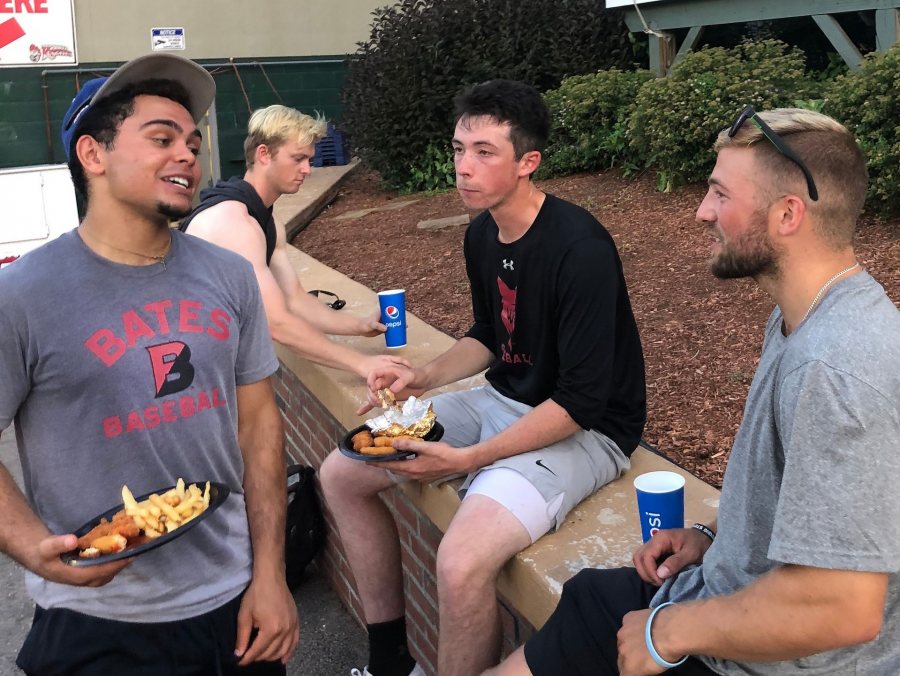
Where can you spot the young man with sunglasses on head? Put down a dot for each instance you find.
(800, 572)
(135, 355)
(563, 410)
(237, 214)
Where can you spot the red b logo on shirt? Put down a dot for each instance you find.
(172, 368)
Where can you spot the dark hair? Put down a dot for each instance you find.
(103, 119)
(509, 102)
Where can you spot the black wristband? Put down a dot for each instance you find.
(706, 530)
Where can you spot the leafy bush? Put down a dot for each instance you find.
(434, 170)
(590, 115)
(676, 119)
(400, 84)
(866, 102)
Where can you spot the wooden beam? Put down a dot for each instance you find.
(662, 53)
(688, 13)
(842, 43)
(887, 28)
(689, 41)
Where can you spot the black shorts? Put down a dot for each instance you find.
(579, 639)
(63, 641)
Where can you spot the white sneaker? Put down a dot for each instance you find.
(417, 671)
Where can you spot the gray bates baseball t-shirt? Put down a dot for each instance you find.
(814, 475)
(119, 374)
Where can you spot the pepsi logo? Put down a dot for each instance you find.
(392, 311)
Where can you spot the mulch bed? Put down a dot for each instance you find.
(701, 336)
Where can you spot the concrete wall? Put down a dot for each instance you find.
(118, 30)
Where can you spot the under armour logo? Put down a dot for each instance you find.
(508, 264)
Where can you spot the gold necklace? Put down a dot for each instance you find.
(825, 288)
(161, 258)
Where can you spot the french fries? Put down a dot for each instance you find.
(164, 513)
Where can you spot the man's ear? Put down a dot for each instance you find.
(91, 154)
(789, 213)
(262, 154)
(529, 162)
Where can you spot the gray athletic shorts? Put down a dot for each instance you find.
(564, 473)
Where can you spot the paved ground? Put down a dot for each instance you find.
(331, 642)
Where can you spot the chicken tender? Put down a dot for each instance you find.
(389, 441)
(361, 440)
(121, 524)
(377, 450)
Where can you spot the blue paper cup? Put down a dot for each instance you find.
(393, 316)
(660, 499)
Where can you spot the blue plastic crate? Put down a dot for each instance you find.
(332, 149)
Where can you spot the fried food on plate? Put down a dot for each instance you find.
(121, 525)
(377, 450)
(389, 441)
(362, 439)
(105, 544)
(141, 521)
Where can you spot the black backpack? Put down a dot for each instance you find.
(305, 532)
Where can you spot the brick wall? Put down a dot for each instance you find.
(311, 433)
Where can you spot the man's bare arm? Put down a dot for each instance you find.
(267, 605)
(26, 540)
(791, 612)
(244, 236)
(300, 303)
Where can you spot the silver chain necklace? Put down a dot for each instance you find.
(825, 288)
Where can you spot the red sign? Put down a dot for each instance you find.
(10, 31)
(48, 29)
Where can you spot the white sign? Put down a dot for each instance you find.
(165, 39)
(37, 32)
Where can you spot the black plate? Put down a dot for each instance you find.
(346, 445)
(217, 494)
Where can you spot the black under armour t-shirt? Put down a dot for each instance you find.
(554, 310)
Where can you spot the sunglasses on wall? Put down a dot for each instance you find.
(335, 304)
(749, 114)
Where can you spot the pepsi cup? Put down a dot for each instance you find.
(660, 499)
(393, 316)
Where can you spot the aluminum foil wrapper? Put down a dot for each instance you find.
(415, 418)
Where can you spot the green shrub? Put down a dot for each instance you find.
(590, 115)
(434, 170)
(867, 103)
(399, 89)
(676, 119)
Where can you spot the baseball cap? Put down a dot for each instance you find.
(200, 86)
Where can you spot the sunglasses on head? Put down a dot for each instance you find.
(749, 114)
(335, 304)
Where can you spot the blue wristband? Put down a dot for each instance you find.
(649, 640)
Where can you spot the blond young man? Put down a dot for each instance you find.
(237, 214)
(802, 573)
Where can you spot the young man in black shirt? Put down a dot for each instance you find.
(563, 409)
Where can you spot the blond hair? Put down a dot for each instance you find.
(828, 150)
(276, 125)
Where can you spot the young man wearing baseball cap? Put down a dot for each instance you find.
(237, 214)
(136, 355)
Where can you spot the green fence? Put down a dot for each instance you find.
(33, 101)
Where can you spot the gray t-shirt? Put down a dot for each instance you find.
(119, 374)
(815, 469)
